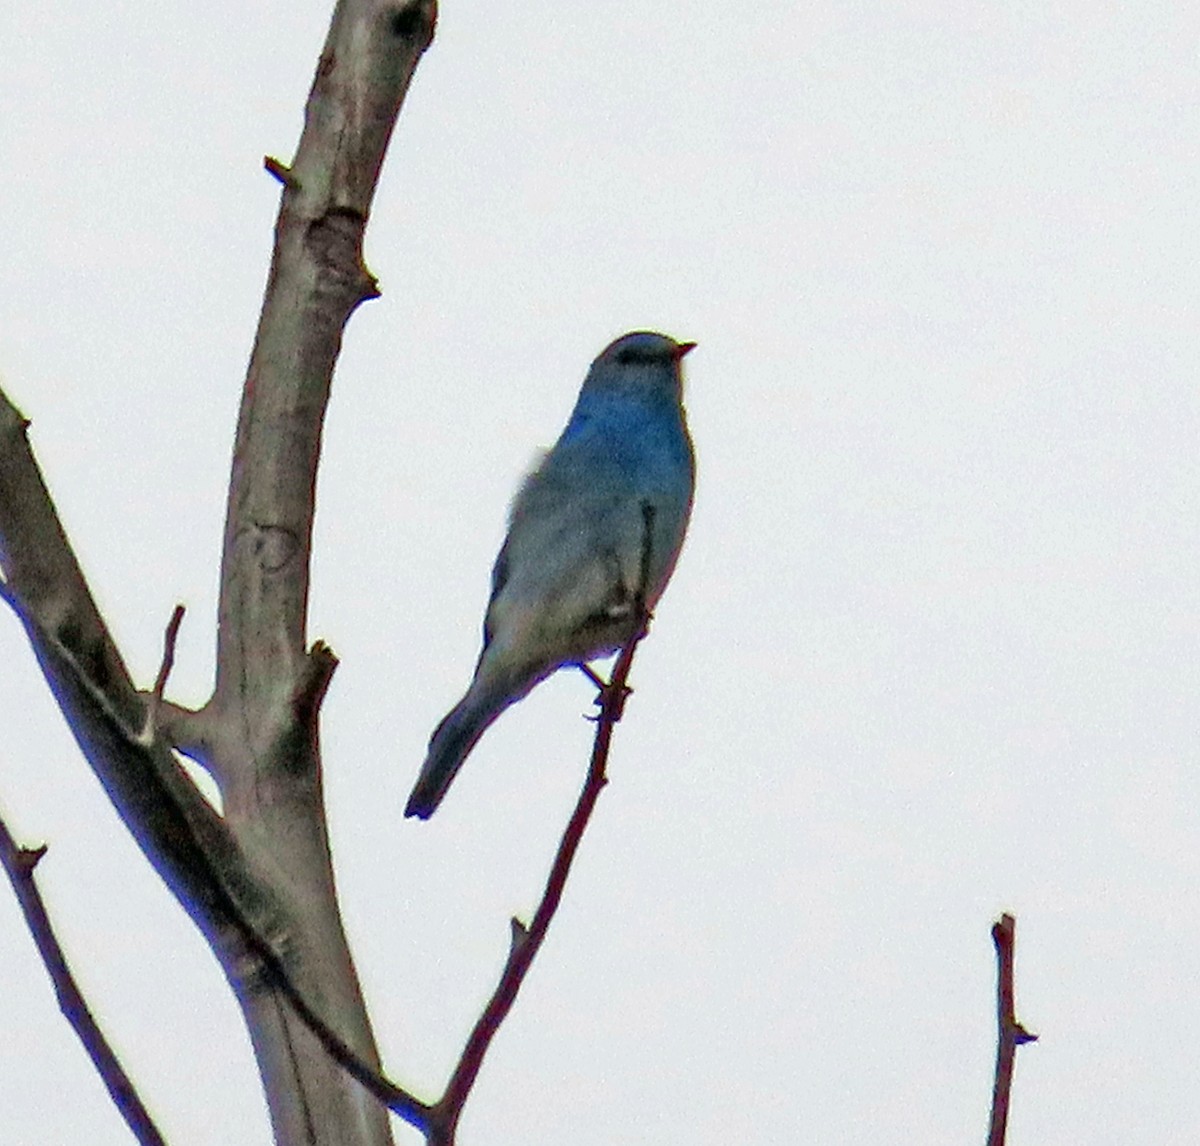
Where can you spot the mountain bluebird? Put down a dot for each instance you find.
(596, 525)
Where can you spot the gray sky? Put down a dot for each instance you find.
(930, 654)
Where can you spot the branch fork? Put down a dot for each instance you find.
(256, 877)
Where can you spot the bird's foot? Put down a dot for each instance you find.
(615, 698)
(608, 698)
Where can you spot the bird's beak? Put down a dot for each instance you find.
(683, 348)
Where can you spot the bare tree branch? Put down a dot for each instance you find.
(176, 828)
(258, 879)
(129, 757)
(321, 666)
(260, 728)
(19, 863)
(1010, 1033)
(317, 279)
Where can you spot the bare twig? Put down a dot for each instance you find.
(150, 729)
(1010, 1033)
(395, 1098)
(526, 941)
(19, 863)
(279, 170)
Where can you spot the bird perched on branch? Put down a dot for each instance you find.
(594, 531)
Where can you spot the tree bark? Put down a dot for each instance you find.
(256, 877)
(259, 729)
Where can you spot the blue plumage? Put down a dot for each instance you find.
(564, 583)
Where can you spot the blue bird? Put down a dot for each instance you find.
(605, 511)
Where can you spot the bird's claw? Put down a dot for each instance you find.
(611, 702)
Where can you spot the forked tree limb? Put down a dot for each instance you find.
(260, 727)
(181, 835)
(258, 879)
(205, 862)
(321, 665)
(266, 861)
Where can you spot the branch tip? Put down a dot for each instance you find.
(18, 863)
(319, 667)
(280, 171)
(29, 858)
(322, 651)
(1010, 1034)
(322, 664)
(170, 636)
(20, 422)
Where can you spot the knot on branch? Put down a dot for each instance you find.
(334, 241)
(275, 546)
(414, 21)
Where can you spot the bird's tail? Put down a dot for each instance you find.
(449, 746)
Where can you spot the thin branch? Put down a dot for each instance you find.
(279, 170)
(1010, 1033)
(19, 864)
(42, 577)
(395, 1098)
(150, 729)
(525, 942)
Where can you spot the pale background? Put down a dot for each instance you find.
(930, 654)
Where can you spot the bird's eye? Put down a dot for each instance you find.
(625, 357)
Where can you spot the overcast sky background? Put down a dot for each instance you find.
(930, 653)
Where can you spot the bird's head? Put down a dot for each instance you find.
(640, 359)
